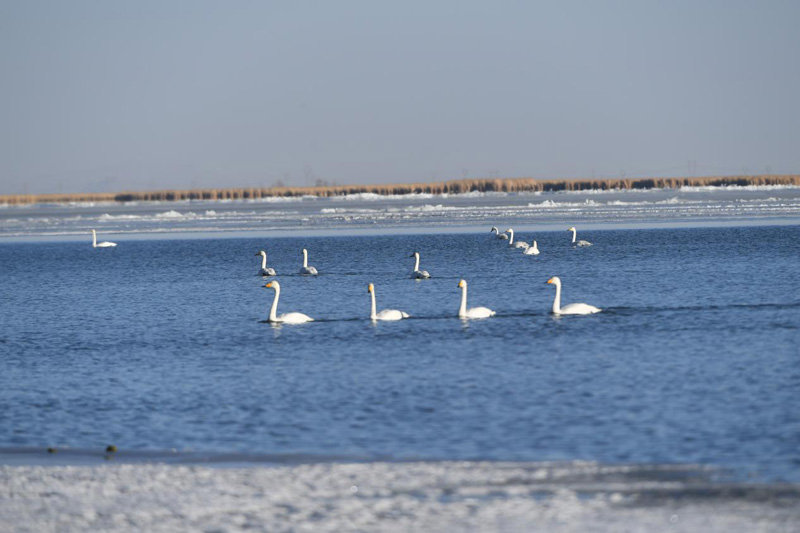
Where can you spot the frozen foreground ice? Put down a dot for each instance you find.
(424, 496)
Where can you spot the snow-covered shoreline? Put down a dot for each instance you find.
(380, 496)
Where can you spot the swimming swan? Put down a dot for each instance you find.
(288, 318)
(474, 312)
(104, 244)
(386, 314)
(501, 236)
(417, 273)
(570, 309)
(532, 250)
(264, 270)
(511, 242)
(579, 243)
(311, 271)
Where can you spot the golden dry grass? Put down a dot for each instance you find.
(453, 187)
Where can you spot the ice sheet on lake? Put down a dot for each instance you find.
(425, 496)
(413, 211)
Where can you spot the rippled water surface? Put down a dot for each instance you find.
(162, 344)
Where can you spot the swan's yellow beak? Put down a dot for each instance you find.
(369, 288)
(549, 280)
(460, 283)
(268, 285)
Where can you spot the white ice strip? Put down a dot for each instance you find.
(326, 213)
(437, 496)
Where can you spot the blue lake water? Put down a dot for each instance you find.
(162, 344)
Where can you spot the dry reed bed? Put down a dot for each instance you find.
(452, 187)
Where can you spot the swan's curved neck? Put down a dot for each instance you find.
(463, 309)
(305, 258)
(557, 299)
(273, 312)
(574, 234)
(263, 260)
(373, 311)
(94, 238)
(511, 238)
(416, 262)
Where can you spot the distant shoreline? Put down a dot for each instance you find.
(451, 187)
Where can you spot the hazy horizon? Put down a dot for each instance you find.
(101, 97)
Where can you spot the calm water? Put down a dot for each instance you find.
(161, 344)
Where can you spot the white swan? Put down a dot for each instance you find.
(511, 242)
(311, 271)
(473, 312)
(288, 318)
(417, 273)
(104, 244)
(574, 235)
(501, 236)
(386, 314)
(264, 270)
(532, 250)
(569, 309)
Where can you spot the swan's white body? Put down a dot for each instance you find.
(501, 236)
(532, 250)
(511, 242)
(310, 271)
(574, 237)
(264, 270)
(386, 314)
(473, 312)
(417, 273)
(288, 318)
(104, 244)
(569, 309)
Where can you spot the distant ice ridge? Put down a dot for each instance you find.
(390, 497)
(279, 199)
(342, 210)
(106, 216)
(740, 188)
(174, 214)
(430, 208)
(371, 196)
(551, 203)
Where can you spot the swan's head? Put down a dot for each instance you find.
(273, 285)
(554, 280)
(462, 284)
(509, 229)
(370, 288)
(304, 251)
(571, 229)
(262, 252)
(415, 254)
(494, 229)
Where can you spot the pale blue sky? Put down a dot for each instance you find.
(109, 95)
